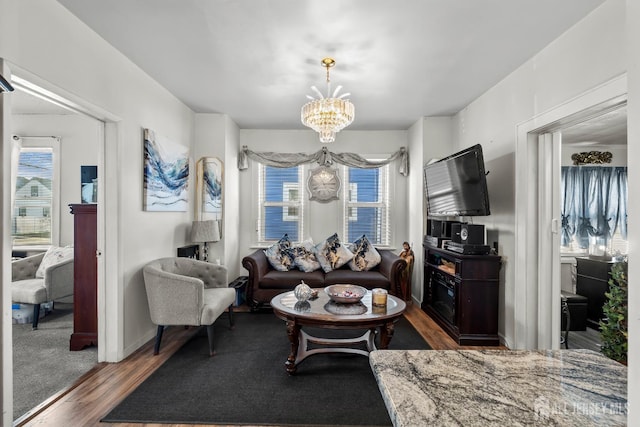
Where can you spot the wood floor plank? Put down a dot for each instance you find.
(102, 388)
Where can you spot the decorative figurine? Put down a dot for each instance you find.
(302, 292)
(405, 277)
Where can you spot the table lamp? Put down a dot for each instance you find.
(205, 232)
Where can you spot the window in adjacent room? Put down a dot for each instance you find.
(366, 204)
(36, 193)
(594, 210)
(280, 203)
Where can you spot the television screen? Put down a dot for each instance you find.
(457, 185)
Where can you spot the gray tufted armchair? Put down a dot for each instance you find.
(26, 288)
(185, 291)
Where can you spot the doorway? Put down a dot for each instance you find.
(537, 309)
(48, 137)
(592, 220)
(106, 136)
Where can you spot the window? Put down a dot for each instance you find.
(594, 210)
(366, 206)
(280, 204)
(34, 221)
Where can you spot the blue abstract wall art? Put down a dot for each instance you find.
(166, 174)
(212, 177)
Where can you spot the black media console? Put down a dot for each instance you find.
(461, 294)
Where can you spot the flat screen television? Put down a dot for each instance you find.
(457, 185)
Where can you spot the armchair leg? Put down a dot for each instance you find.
(231, 322)
(36, 316)
(210, 336)
(156, 348)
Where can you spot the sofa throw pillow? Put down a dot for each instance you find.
(304, 257)
(278, 255)
(54, 255)
(332, 254)
(365, 256)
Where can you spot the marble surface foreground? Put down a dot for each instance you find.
(501, 387)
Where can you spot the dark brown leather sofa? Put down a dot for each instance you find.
(265, 282)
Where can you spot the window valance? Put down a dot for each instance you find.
(323, 157)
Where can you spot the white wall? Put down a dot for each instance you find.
(586, 56)
(324, 218)
(232, 224)
(79, 144)
(48, 42)
(216, 135)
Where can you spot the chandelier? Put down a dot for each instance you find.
(327, 115)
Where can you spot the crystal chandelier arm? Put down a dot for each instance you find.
(315, 89)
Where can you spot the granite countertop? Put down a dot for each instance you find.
(501, 387)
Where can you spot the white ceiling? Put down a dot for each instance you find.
(608, 129)
(256, 59)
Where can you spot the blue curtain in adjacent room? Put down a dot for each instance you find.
(594, 203)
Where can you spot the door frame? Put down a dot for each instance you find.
(534, 283)
(109, 306)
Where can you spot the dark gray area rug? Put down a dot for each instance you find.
(42, 362)
(246, 383)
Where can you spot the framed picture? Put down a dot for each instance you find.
(166, 174)
(209, 188)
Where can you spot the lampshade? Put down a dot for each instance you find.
(205, 231)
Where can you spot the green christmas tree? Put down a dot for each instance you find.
(613, 328)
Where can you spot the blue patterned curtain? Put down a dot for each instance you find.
(594, 203)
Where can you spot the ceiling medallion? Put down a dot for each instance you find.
(327, 115)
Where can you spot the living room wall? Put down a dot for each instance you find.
(324, 218)
(587, 55)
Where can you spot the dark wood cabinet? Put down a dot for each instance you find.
(461, 294)
(592, 281)
(85, 277)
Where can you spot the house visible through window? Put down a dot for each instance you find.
(31, 220)
(366, 206)
(281, 207)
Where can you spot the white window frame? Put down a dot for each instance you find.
(261, 204)
(351, 207)
(53, 143)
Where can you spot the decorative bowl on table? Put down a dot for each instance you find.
(345, 294)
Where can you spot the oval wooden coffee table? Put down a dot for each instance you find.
(324, 313)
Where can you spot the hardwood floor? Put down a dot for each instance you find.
(102, 388)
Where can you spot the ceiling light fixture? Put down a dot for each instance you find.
(327, 115)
